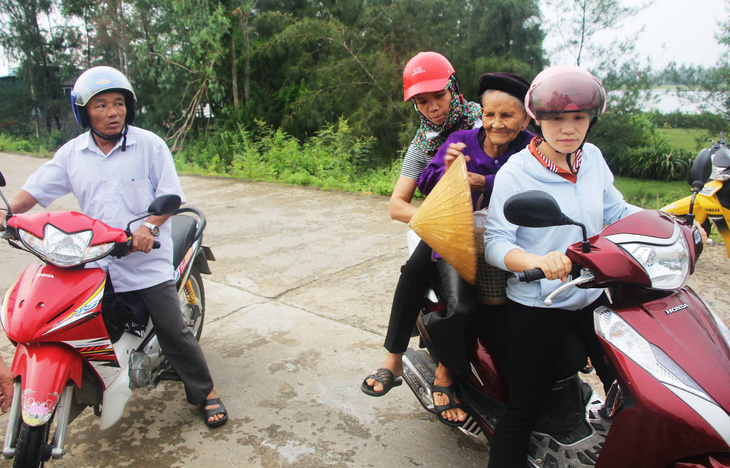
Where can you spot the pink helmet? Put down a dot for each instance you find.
(427, 72)
(565, 88)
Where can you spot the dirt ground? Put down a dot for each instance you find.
(711, 279)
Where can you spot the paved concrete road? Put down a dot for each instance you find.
(297, 308)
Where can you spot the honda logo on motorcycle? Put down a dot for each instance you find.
(676, 309)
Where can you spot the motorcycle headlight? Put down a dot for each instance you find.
(63, 249)
(666, 261)
(616, 331)
(652, 359)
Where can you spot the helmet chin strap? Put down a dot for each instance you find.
(122, 135)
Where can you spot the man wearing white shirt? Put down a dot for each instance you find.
(115, 171)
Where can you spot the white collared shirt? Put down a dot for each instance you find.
(114, 189)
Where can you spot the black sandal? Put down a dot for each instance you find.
(385, 377)
(209, 413)
(449, 392)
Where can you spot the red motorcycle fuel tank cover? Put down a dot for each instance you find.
(47, 302)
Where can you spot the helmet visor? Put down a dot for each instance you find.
(567, 93)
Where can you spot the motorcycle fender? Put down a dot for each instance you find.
(681, 208)
(44, 371)
(115, 398)
(678, 208)
(201, 259)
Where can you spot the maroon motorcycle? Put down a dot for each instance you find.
(671, 402)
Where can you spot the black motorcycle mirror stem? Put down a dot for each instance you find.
(160, 206)
(698, 175)
(2, 184)
(535, 208)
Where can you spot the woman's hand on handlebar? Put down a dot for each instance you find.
(555, 265)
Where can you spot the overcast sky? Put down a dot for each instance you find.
(674, 30)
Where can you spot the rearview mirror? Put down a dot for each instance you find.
(534, 208)
(701, 170)
(164, 205)
(537, 209)
(2, 180)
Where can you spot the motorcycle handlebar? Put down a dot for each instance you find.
(533, 274)
(123, 248)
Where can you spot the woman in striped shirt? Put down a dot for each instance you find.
(429, 83)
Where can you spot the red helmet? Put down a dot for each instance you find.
(565, 88)
(427, 72)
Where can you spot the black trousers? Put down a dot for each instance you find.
(448, 328)
(532, 339)
(177, 341)
(415, 279)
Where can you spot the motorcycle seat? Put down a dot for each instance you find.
(183, 236)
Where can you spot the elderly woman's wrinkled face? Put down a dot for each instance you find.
(434, 106)
(503, 117)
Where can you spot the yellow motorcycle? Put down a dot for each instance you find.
(713, 202)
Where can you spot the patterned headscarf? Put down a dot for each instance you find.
(462, 115)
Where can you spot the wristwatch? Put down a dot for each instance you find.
(153, 228)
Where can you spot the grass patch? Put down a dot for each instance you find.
(651, 194)
(690, 139)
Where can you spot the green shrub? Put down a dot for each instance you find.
(30, 145)
(633, 147)
(658, 162)
(714, 123)
(336, 158)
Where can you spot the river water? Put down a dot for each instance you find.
(669, 100)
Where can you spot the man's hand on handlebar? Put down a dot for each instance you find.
(142, 240)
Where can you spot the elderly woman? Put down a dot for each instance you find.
(503, 133)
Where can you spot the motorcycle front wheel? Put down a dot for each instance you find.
(32, 448)
(192, 303)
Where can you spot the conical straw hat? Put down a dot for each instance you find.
(445, 221)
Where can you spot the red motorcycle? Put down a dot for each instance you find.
(670, 406)
(70, 353)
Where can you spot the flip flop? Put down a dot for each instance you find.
(449, 392)
(385, 377)
(209, 413)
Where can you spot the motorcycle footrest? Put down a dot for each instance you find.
(169, 374)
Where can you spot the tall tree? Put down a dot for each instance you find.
(576, 22)
(708, 86)
(42, 51)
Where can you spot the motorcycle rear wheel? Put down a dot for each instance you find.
(194, 319)
(32, 449)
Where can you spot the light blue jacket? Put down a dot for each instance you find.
(592, 200)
